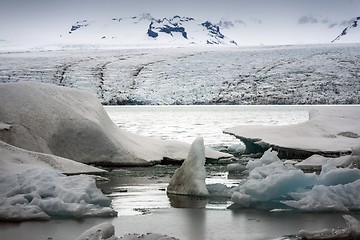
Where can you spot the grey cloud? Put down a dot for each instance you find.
(256, 20)
(307, 19)
(346, 22)
(238, 21)
(226, 23)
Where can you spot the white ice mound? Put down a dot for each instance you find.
(189, 179)
(44, 193)
(72, 124)
(351, 232)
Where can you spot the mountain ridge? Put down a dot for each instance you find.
(186, 30)
(346, 30)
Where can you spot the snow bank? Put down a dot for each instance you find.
(330, 130)
(39, 194)
(351, 232)
(189, 179)
(72, 124)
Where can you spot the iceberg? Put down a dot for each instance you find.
(273, 185)
(72, 124)
(331, 131)
(270, 179)
(340, 197)
(40, 194)
(271, 182)
(189, 179)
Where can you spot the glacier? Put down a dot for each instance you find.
(300, 74)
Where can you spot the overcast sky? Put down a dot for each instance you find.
(36, 17)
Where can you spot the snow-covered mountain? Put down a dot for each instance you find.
(145, 29)
(349, 32)
(123, 24)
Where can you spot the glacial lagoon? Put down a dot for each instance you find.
(139, 194)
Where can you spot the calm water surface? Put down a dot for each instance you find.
(185, 123)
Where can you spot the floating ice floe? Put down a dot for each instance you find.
(316, 162)
(72, 124)
(39, 194)
(330, 131)
(106, 231)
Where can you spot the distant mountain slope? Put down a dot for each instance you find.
(349, 30)
(145, 28)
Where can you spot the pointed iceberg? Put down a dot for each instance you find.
(189, 179)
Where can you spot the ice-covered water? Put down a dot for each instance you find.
(185, 123)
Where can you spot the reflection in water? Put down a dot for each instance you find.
(197, 220)
(181, 201)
